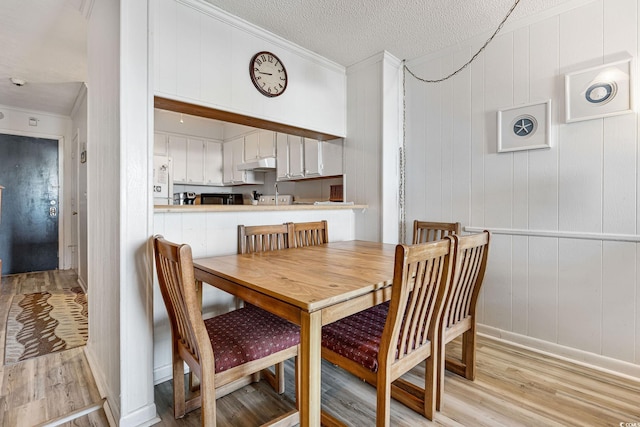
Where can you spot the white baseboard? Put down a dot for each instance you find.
(591, 360)
(143, 417)
(162, 374)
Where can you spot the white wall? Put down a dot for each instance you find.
(119, 152)
(201, 56)
(51, 126)
(371, 149)
(562, 274)
(79, 117)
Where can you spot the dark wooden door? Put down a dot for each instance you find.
(29, 227)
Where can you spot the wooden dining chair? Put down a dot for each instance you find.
(426, 231)
(382, 343)
(459, 313)
(220, 351)
(310, 233)
(264, 238)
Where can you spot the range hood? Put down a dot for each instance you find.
(266, 164)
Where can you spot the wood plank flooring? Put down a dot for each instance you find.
(513, 387)
(45, 388)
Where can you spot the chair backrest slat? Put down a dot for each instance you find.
(428, 231)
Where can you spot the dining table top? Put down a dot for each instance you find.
(309, 278)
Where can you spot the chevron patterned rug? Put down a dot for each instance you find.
(44, 322)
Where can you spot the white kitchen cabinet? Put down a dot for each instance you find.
(296, 157)
(312, 158)
(195, 161)
(332, 153)
(233, 154)
(213, 163)
(227, 160)
(267, 144)
(178, 152)
(251, 147)
(282, 156)
(259, 145)
(290, 157)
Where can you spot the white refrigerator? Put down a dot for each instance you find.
(162, 180)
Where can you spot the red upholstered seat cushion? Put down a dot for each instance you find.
(247, 334)
(357, 337)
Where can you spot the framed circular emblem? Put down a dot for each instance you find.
(601, 93)
(525, 125)
(268, 74)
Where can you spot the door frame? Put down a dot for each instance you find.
(61, 192)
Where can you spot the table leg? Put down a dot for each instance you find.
(310, 358)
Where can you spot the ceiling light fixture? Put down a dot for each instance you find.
(18, 82)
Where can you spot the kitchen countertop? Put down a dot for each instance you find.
(256, 208)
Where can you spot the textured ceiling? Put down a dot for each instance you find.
(348, 31)
(44, 41)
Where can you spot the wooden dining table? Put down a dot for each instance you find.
(311, 287)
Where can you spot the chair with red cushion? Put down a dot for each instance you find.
(222, 350)
(382, 343)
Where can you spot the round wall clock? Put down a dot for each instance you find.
(268, 74)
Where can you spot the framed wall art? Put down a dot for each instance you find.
(524, 127)
(602, 91)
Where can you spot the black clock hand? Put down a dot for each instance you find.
(268, 74)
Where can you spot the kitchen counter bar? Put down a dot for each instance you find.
(252, 208)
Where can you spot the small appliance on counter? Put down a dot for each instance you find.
(221, 199)
(185, 198)
(270, 199)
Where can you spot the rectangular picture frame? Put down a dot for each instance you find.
(602, 91)
(524, 127)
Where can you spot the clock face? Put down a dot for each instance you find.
(268, 74)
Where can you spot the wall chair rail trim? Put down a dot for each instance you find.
(558, 234)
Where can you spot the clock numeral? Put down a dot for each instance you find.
(283, 79)
(259, 62)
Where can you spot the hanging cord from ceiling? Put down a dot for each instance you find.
(401, 196)
(472, 58)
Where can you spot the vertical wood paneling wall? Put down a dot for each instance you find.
(563, 269)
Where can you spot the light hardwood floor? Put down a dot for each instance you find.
(49, 387)
(513, 387)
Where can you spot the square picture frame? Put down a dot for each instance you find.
(524, 127)
(602, 91)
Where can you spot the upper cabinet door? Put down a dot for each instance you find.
(195, 161)
(251, 149)
(213, 163)
(267, 144)
(296, 157)
(312, 158)
(178, 152)
(282, 157)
